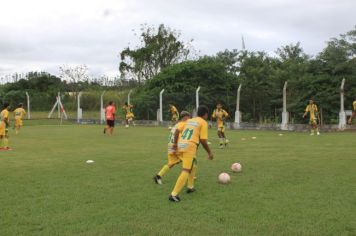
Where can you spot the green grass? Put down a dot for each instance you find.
(290, 185)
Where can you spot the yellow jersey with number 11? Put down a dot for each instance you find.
(191, 133)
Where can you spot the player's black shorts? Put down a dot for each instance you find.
(110, 123)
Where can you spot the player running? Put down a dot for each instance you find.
(194, 131)
(312, 108)
(220, 115)
(110, 111)
(174, 113)
(19, 113)
(173, 158)
(353, 112)
(129, 114)
(4, 125)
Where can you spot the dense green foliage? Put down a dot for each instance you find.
(262, 77)
(283, 189)
(159, 49)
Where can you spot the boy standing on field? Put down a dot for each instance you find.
(4, 128)
(110, 118)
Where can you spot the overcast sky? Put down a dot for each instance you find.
(45, 34)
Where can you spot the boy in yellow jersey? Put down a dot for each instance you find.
(4, 125)
(175, 114)
(220, 115)
(353, 112)
(193, 132)
(129, 114)
(19, 113)
(313, 117)
(173, 158)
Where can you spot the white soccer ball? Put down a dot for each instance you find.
(254, 137)
(236, 167)
(126, 126)
(224, 178)
(90, 161)
(280, 134)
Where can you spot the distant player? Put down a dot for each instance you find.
(19, 113)
(173, 158)
(110, 111)
(312, 109)
(353, 112)
(4, 126)
(174, 113)
(195, 131)
(220, 115)
(129, 114)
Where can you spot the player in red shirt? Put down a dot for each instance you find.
(110, 111)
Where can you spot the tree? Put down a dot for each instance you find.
(75, 76)
(159, 49)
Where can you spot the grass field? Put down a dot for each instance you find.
(290, 185)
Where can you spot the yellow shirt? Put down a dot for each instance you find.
(220, 115)
(173, 110)
(191, 133)
(19, 113)
(171, 136)
(4, 116)
(354, 105)
(313, 110)
(128, 109)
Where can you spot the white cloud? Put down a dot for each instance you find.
(42, 35)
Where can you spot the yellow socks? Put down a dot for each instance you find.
(182, 179)
(164, 170)
(191, 177)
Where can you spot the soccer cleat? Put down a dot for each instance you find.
(311, 134)
(221, 146)
(157, 179)
(8, 149)
(126, 126)
(174, 198)
(104, 130)
(191, 190)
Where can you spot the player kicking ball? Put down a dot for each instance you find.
(220, 115)
(173, 158)
(4, 126)
(312, 109)
(194, 131)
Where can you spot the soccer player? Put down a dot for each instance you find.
(19, 113)
(175, 114)
(4, 124)
(173, 158)
(195, 131)
(312, 109)
(128, 113)
(220, 115)
(110, 111)
(353, 112)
